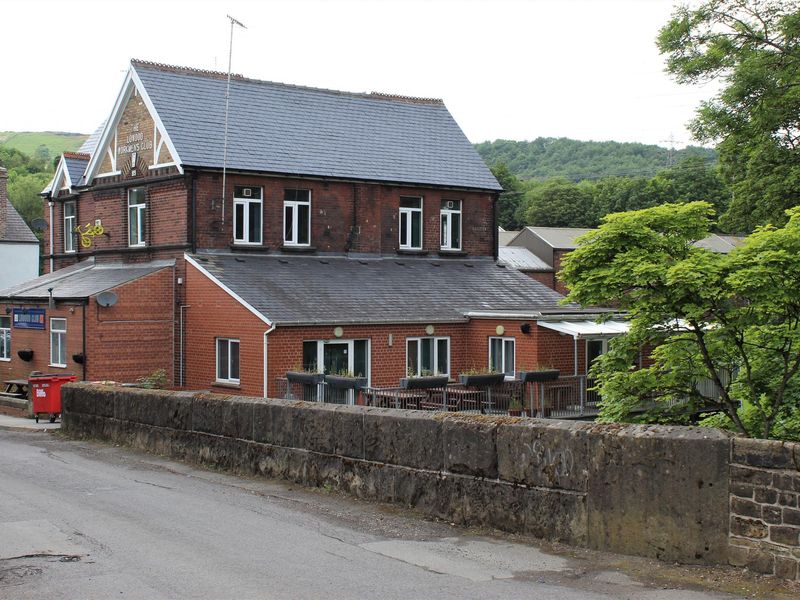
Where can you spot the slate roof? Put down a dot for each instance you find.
(13, 228)
(89, 146)
(295, 290)
(76, 165)
(560, 238)
(287, 129)
(720, 243)
(83, 280)
(522, 259)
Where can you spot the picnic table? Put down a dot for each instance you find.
(15, 388)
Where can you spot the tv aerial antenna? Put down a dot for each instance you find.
(227, 106)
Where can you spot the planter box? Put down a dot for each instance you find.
(25, 354)
(341, 382)
(304, 377)
(540, 375)
(423, 383)
(482, 380)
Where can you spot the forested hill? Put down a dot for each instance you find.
(575, 160)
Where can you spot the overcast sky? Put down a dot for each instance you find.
(583, 69)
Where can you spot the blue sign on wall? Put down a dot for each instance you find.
(29, 318)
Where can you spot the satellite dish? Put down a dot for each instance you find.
(106, 299)
(39, 224)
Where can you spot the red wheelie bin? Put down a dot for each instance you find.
(46, 394)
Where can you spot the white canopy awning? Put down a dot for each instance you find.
(587, 329)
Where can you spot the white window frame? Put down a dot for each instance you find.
(604, 349)
(245, 202)
(407, 216)
(70, 222)
(351, 354)
(434, 357)
(506, 342)
(295, 205)
(5, 339)
(446, 224)
(229, 379)
(58, 339)
(140, 210)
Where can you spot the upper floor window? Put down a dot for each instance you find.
(428, 356)
(136, 216)
(501, 355)
(451, 224)
(410, 223)
(227, 360)
(297, 217)
(58, 342)
(247, 215)
(5, 338)
(69, 226)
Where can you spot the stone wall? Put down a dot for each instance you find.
(654, 491)
(765, 517)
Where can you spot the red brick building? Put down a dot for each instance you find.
(328, 230)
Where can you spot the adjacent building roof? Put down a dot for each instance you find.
(83, 280)
(522, 259)
(584, 329)
(295, 130)
(290, 290)
(720, 243)
(559, 238)
(12, 226)
(505, 237)
(76, 164)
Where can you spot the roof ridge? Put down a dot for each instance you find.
(77, 155)
(183, 70)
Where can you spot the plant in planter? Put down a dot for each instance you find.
(345, 380)
(538, 373)
(424, 381)
(304, 376)
(481, 377)
(515, 406)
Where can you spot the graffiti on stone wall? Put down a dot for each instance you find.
(556, 462)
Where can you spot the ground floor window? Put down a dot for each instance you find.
(337, 357)
(58, 342)
(5, 338)
(501, 355)
(594, 350)
(428, 356)
(227, 360)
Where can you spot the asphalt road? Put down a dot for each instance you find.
(86, 520)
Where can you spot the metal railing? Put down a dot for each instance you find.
(566, 397)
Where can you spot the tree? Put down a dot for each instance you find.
(723, 329)
(753, 48)
(510, 199)
(558, 203)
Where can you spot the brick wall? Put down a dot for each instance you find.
(335, 208)
(764, 507)
(131, 339)
(546, 278)
(165, 223)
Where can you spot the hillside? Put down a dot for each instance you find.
(576, 160)
(29, 141)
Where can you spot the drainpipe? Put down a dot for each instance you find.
(83, 311)
(575, 353)
(180, 370)
(266, 362)
(495, 235)
(50, 204)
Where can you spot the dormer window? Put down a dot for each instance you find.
(410, 223)
(247, 211)
(297, 217)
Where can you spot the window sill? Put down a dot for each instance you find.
(412, 251)
(233, 385)
(57, 366)
(5, 359)
(298, 249)
(240, 247)
(452, 253)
